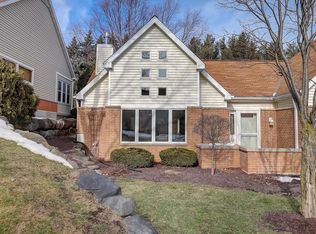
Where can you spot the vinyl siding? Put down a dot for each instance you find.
(311, 93)
(251, 106)
(181, 81)
(28, 35)
(209, 96)
(98, 95)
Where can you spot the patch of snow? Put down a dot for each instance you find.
(7, 133)
(286, 179)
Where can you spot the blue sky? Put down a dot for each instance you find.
(219, 20)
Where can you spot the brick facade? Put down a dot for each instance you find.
(100, 128)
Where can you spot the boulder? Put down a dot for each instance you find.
(49, 133)
(41, 124)
(121, 205)
(66, 123)
(136, 224)
(34, 137)
(101, 186)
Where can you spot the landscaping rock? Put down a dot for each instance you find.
(34, 137)
(66, 123)
(42, 124)
(99, 185)
(123, 206)
(136, 224)
(49, 133)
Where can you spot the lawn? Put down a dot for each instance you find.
(39, 196)
(185, 208)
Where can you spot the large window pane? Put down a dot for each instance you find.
(178, 125)
(248, 123)
(128, 125)
(249, 142)
(162, 119)
(145, 125)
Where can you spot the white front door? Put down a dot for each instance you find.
(248, 130)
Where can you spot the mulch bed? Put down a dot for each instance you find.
(230, 178)
(290, 222)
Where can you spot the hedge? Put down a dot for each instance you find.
(179, 157)
(133, 157)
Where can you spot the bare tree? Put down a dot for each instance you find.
(121, 18)
(167, 12)
(214, 131)
(279, 21)
(192, 25)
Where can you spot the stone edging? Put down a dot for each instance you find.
(109, 195)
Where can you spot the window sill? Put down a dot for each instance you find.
(155, 143)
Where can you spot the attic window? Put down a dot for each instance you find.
(162, 91)
(162, 73)
(146, 55)
(145, 73)
(145, 91)
(162, 55)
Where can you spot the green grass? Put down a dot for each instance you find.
(185, 208)
(39, 196)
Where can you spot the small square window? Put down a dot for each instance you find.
(162, 55)
(162, 91)
(162, 73)
(145, 55)
(145, 73)
(145, 91)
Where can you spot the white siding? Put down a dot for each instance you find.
(311, 93)
(28, 35)
(209, 96)
(251, 106)
(181, 82)
(98, 95)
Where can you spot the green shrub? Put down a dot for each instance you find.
(133, 157)
(178, 157)
(17, 99)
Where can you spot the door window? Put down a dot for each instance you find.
(249, 130)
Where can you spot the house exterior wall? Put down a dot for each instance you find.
(98, 96)
(285, 128)
(28, 35)
(269, 134)
(182, 81)
(209, 96)
(101, 129)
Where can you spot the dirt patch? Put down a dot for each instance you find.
(63, 143)
(290, 222)
(231, 178)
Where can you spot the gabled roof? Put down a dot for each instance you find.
(50, 7)
(155, 21)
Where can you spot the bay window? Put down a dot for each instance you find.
(153, 126)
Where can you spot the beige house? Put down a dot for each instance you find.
(30, 40)
(153, 90)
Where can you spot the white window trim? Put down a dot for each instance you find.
(162, 96)
(141, 55)
(70, 87)
(141, 88)
(144, 77)
(166, 59)
(238, 125)
(160, 77)
(153, 129)
(18, 64)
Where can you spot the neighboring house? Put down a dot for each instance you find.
(153, 90)
(30, 40)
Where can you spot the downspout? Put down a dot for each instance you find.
(295, 125)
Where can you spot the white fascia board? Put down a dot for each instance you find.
(154, 20)
(80, 95)
(252, 99)
(217, 85)
(8, 2)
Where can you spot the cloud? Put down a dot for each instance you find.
(62, 9)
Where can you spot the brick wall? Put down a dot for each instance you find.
(268, 133)
(285, 128)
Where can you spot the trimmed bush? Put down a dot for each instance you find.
(17, 99)
(133, 157)
(178, 157)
